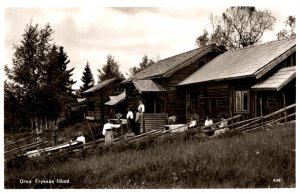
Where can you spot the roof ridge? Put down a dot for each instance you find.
(182, 53)
(163, 60)
(262, 44)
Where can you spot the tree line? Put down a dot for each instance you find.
(39, 85)
(242, 26)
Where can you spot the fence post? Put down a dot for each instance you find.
(284, 105)
(17, 145)
(55, 135)
(261, 112)
(92, 133)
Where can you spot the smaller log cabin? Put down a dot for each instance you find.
(98, 95)
(251, 81)
(156, 85)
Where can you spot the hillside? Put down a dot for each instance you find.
(257, 160)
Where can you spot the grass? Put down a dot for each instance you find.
(257, 160)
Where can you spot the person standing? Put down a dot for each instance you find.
(129, 118)
(138, 121)
(141, 110)
(108, 131)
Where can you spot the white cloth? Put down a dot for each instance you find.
(208, 122)
(223, 124)
(129, 115)
(109, 126)
(81, 139)
(192, 124)
(141, 107)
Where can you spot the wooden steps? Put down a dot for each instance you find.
(155, 121)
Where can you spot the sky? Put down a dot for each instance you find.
(90, 33)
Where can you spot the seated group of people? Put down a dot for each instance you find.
(193, 123)
(211, 129)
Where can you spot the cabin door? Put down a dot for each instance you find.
(210, 107)
(267, 102)
(154, 104)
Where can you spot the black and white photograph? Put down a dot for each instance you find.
(182, 95)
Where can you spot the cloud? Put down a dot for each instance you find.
(91, 33)
(135, 10)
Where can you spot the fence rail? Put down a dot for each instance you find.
(244, 126)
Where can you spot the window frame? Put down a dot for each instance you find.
(242, 107)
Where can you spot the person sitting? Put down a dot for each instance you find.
(208, 128)
(172, 120)
(108, 130)
(193, 123)
(81, 140)
(222, 127)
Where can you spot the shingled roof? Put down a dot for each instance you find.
(99, 85)
(278, 80)
(114, 100)
(252, 61)
(165, 67)
(147, 85)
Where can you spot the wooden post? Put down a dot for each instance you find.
(46, 124)
(255, 104)
(261, 112)
(17, 142)
(154, 104)
(31, 124)
(71, 149)
(55, 136)
(284, 106)
(92, 134)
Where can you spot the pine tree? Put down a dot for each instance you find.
(87, 78)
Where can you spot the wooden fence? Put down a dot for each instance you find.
(234, 125)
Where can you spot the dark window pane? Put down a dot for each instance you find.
(245, 101)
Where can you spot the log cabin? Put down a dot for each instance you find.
(156, 85)
(97, 96)
(250, 81)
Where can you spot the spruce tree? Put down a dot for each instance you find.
(87, 78)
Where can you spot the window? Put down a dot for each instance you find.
(118, 90)
(241, 101)
(271, 101)
(194, 103)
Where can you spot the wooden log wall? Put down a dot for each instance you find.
(177, 95)
(100, 97)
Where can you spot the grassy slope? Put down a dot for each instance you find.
(243, 161)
